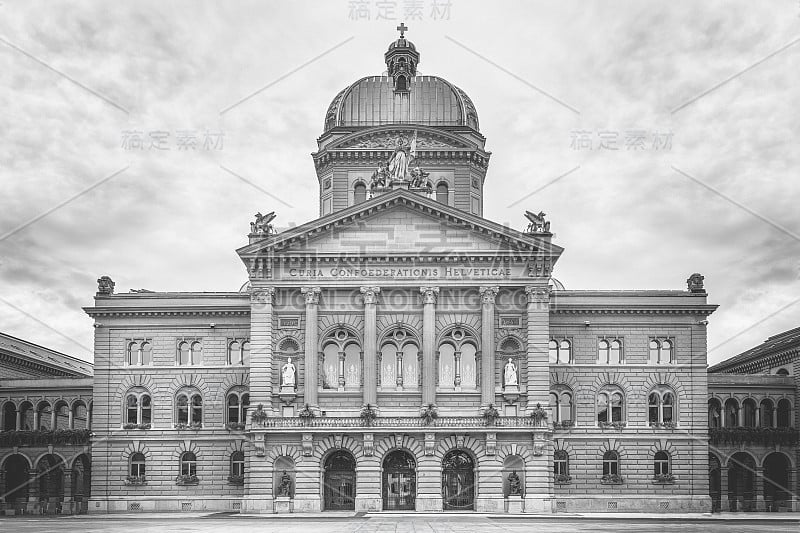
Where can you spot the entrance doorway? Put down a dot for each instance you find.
(339, 493)
(741, 482)
(776, 481)
(399, 481)
(458, 481)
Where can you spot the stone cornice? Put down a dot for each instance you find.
(8, 359)
(561, 309)
(166, 311)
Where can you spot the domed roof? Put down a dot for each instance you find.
(402, 42)
(428, 101)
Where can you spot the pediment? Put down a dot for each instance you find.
(388, 139)
(403, 223)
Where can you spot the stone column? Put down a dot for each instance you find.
(71, 423)
(488, 295)
(429, 295)
(33, 490)
(370, 373)
(3, 490)
(311, 381)
(724, 505)
(457, 370)
(341, 370)
(67, 505)
(399, 370)
(19, 420)
(261, 347)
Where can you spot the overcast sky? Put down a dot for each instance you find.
(700, 96)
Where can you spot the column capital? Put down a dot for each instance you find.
(370, 294)
(537, 294)
(262, 295)
(429, 294)
(311, 294)
(488, 293)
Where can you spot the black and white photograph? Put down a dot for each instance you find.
(399, 266)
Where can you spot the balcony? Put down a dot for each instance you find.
(753, 436)
(393, 423)
(9, 439)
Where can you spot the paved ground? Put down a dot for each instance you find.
(450, 523)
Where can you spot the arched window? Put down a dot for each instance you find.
(561, 401)
(749, 414)
(45, 414)
(234, 353)
(62, 415)
(246, 353)
(188, 464)
(238, 402)
(603, 349)
(665, 356)
(140, 353)
(458, 360)
(782, 372)
(184, 358)
(661, 407)
(610, 403)
(133, 353)
(237, 466)
(615, 357)
(197, 353)
(784, 413)
(561, 466)
(661, 351)
(731, 413)
(138, 409)
(611, 466)
(553, 352)
(661, 464)
(359, 193)
(564, 352)
(9, 416)
(654, 351)
(189, 411)
(341, 362)
(26, 416)
(767, 413)
(714, 413)
(442, 195)
(137, 465)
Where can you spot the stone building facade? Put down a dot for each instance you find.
(401, 352)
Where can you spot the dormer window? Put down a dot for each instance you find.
(400, 84)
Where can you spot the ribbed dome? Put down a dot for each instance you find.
(428, 101)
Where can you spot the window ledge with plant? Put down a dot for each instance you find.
(136, 426)
(236, 480)
(186, 479)
(611, 479)
(193, 425)
(663, 479)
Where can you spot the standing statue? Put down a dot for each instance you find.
(288, 372)
(398, 164)
(510, 373)
(514, 485)
(285, 488)
(379, 177)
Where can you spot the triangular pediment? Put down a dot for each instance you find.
(403, 223)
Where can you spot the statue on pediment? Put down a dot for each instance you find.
(418, 180)
(105, 285)
(379, 177)
(537, 222)
(263, 224)
(398, 164)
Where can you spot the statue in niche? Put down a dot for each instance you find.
(285, 488)
(288, 374)
(514, 485)
(510, 374)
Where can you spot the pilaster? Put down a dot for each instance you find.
(429, 295)
(261, 347)
(370, 344)
(488, 296)
(311, 380)
(538, 338)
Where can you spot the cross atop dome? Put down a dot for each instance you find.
(402, 28)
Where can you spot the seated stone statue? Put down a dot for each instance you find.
(285, 488)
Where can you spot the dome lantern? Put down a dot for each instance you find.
(401, 60)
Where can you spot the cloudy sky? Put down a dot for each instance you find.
(700, 97)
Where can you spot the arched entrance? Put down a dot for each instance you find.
(16, 469)
(776, 481)
(50, 472)
(458, 481)
(81, 483)
(741, 482)
(399, 481)
(339, 492)
(715, 483)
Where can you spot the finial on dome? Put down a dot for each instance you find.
(402, 28)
